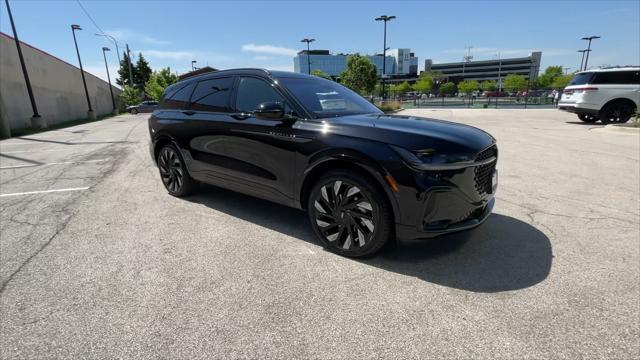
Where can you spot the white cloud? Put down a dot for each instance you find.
(269, 49)
(128, 34)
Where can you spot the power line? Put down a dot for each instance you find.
(89, 16)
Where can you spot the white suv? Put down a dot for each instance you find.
(610, 95)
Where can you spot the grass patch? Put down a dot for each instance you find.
(62, 125)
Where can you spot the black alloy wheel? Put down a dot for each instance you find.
(616, 113)
(173, 172)
(348, 215)
(588, 118)
(134, 111)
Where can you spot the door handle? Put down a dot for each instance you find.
(241, 116)
(188, 112)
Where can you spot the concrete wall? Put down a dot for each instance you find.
(57, 87)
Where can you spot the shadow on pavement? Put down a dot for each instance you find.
(584, 123)
(503, 254)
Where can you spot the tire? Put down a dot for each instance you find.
(616, 113)
(173, 172)
(349, 215)
(134, 111)
(588, 118)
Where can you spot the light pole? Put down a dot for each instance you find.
(385, 19)
(582, 61)
(90, 113)
(36, 119)
(589, 38)
(308, 41)
(113, 40)
(130, 68)
(193, 62)
(113, 101)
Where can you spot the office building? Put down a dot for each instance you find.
(397, 62)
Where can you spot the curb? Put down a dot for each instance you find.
(622, 128)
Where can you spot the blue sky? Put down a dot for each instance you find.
(267, 33)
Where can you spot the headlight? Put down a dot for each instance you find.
(431, 160)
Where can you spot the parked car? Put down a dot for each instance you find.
(364, 178)
(610, 95)
(143, 107)
(494, 94)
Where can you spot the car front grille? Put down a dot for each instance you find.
(484, 173)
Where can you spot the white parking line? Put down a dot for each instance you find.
(44, 191)
(54, 163)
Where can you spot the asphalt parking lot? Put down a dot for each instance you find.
(98, 261)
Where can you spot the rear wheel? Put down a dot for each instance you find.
(616, 113)
(349, 214)
(134, 111)
(174, 173)
(588, 118)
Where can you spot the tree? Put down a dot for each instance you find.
(561, 81)
(123, 71)
(142, 71)
(320, 73)
(545, 80)
(130, 95)
(159, 81)
(513, 83)
(423, 85)
(360, 74)
(403, 88)
(448, 88)
(468, 86)
(488, 85)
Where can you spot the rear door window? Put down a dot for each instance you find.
(212, 95)
(616, 77)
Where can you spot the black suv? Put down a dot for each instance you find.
(363, 177)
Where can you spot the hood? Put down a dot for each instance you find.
(414, 133)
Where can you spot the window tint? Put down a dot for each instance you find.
(581, 79)
(179, 98)
(252, 92)
(616, 77)
(212, 95)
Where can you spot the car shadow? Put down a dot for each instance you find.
(501, 255)
(584, 123)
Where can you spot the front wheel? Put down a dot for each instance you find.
(174, 173)
(349, 215)
(134, 111)
(616, 113)
(587, 118)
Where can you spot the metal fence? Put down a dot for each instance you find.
(513, 102)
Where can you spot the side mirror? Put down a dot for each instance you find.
(269, 111)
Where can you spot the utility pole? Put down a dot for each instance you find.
(385, 19)
(586, 61)
(90, 113)
(308, 41)
(36, 119)
(466, 58)
(113, 101)
(130, 69)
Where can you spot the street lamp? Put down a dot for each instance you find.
(385, 19)
(308, 41)
(589, 38)
(90, 114)
(36, 119)
(192, 65)
(113, 101)
(582, 61)
(113, 40)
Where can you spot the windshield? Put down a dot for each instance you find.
(325, 98)
(581, 79)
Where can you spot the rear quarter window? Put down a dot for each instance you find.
(581, 79)
(177, 98)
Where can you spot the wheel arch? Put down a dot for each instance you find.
(349, 161)
(624, 100)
